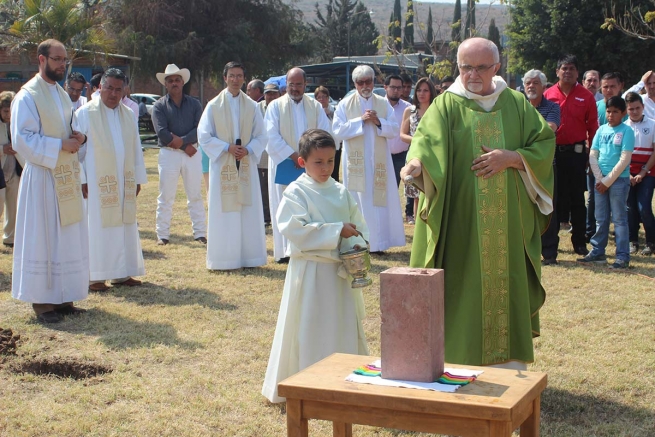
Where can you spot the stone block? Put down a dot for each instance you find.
(412, 332)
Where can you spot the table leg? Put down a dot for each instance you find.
(296, 424)
(340, 429)
(500, 429)
(530, 428)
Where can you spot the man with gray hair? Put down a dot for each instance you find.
(534, 82)
(255, 90)
(365, 122)
(591, 81)
(484, 176)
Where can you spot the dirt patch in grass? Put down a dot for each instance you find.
(8, 342)
(60, 368)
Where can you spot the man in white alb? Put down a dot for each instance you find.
(365, 122)
(114, 171)
(231, 133)
(51, 251)
(286, 120)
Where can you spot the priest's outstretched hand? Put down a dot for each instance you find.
(413, 168)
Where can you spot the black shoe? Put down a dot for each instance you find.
(581, 250)
(162, 242)
(70, 310)
(284, 260)
(548, 262)
(9, 244)
(49, 317)
(202, 240)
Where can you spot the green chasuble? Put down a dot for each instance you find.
(484, 233)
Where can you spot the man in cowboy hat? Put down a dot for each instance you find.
(175, 117)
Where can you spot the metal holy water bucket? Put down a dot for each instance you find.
(357, 263)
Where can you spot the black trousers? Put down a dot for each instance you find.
(550, 238)
(571, 185)
(337, 163)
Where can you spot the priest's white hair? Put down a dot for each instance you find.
(362, 72)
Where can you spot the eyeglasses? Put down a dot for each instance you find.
(296, 85)
(59, 60)
(364, 82)
(468, 69)
(394, 88)
(75, 90)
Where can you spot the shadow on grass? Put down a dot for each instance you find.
(152, 294)
(263, 271)
(118, 332)
(174, 239)
(150, 254)
(584, 415)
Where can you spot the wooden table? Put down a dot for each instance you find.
(497, 403)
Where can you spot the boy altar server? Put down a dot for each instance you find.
(231, 133)
(114, 172)
(320, 313)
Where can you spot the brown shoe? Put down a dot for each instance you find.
(49, 317)
(70, 310)
(162, 242)
(98, 287)
(130, 282)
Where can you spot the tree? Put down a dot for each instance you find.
(494, 33)
(203, 35)
(408, 40)
(636, 21)
(79, 26)
(343, 19)
(469, 30)
(395, 29)
(575, 28)
(429, 37)
(457, 22)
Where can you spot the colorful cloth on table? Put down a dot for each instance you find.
(451, 380)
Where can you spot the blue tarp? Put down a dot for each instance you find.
(280, 81)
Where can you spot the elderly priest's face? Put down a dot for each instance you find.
(111, 92)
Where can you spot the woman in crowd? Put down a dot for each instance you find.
(424, 94)
(322, 95)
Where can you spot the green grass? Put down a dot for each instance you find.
(188, 350)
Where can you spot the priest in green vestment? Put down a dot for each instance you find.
(482, 157)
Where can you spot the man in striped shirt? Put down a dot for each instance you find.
(642, 175)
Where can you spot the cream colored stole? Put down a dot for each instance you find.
(67, 170)
(235, 184)
(287, 126)
(356, 167)
(105, 163)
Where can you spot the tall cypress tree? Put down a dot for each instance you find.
(469, 30)
(408, 41)
(396, 30)
(429, 37)
(456, 34)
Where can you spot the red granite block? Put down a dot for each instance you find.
(412, 333)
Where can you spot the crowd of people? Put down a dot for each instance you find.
(472, 174)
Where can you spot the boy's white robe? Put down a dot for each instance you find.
(384, 222)
(320, 313)
(234, 239)
(114, 252)
(42, 247)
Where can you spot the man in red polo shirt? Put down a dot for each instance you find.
(579, 122)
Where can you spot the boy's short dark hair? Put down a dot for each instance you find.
(95, 80)
(568, 59)
(633, 97)
(234, 64)
(613, 75)
(314, 139)
(616, 102)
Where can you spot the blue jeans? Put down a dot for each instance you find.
(612, 203)
(640, 209)
(591, 207)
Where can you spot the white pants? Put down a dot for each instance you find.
(172, 163)
(9, 202)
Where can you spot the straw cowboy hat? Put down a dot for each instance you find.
(172, 70)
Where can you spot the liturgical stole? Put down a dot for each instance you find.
(287, 126)
(235, 183)
(66, 173)
(105, 163)
(356, 167)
